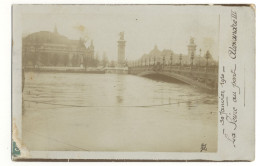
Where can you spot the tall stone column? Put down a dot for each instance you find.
(191, 49)
(121, 50)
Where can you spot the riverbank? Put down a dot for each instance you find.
(93, 70)
(65, 70)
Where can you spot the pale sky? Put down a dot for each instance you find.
(168, 27)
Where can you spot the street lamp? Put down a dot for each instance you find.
(199, 57)
(192, 57)
(207, 58)
(154, 61)
(163, 60)
(171, 59)
(180, 58)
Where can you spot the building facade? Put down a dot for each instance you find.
(168, 57)
(46, 48)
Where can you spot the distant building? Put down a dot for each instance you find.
(156, 56)
(46, 48)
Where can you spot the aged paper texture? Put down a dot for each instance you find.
(133, 82)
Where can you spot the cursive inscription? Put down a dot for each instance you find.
(234, 78)
(232, 49)
(229, 88)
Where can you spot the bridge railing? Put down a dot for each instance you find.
(176, 68)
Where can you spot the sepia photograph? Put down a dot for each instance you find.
(127, 78)
(139, 82)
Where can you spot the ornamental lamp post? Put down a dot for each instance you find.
(154, 61)
(207, 57)
(171, 59)
(163, 60)
(192, 57)
(180, 58)
(199, 58)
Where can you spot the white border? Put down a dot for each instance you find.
(5, 9)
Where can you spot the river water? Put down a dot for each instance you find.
(109, 112)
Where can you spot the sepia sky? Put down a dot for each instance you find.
(145, 26)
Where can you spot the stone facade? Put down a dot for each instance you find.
(168, 57)
(46, 48)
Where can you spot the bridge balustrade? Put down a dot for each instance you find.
(210, 70)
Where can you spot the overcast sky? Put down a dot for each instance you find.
(168, 27)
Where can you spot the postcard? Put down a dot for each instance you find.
(133, 82)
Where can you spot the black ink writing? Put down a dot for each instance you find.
(232, 50)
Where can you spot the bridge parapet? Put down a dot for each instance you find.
(213, 70)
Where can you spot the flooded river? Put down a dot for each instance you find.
(109, 112)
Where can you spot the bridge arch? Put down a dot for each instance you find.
(163, 76)
(204, 80)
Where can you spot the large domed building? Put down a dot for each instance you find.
(46, 48)
(168, 57)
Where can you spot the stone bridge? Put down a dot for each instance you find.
(202, 77)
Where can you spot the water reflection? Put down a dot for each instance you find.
(120, 88)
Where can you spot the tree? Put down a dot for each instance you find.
(66, 60)
(74, 60)
(104, 59)
(112, 64)
(85, 61)
(97, 60)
